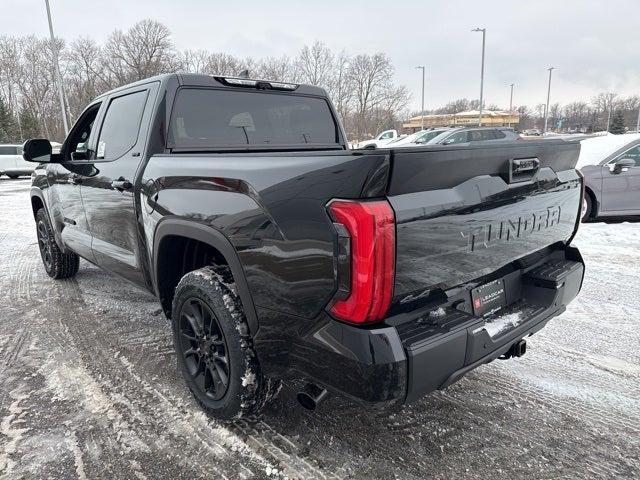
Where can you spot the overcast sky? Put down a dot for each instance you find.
(594, 44)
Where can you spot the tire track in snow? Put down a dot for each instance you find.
(263, 445)
(13, 347)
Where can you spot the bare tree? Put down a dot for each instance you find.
(142, 51)
(315, 65)
(279, 69)
(371, 79)
(340, 88)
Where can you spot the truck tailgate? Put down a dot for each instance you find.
(465, 212)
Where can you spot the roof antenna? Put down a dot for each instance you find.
(244, 74)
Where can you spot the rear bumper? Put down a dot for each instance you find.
(400, 363)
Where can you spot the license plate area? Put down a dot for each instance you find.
(489, 297)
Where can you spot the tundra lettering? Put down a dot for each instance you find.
(506, 230)
(279, 253)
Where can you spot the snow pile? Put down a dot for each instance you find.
(594, 150)
(500, 324)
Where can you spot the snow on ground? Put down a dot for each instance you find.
(89, 389)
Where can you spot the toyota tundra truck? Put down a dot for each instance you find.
(279, 253)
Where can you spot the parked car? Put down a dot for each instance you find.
(381, 140)
(416, 139)
(279, 253)
(11, 162)
(611, 168)
(532, 132)
(459, 135)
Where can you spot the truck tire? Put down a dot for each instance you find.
(56, 263)
(214, 347)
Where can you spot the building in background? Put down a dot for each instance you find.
(490, 118)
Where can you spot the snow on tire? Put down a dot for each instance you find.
(213, 343)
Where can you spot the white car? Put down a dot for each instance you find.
(381, 140)
(419, 138)
(11, 162)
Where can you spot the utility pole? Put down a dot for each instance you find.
(610, 108)
(546, 109)
(511, 104)
(56, 68)
(422, 106)
(638, 123)
(484, 34)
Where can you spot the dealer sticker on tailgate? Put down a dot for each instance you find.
(488, 297)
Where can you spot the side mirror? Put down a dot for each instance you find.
(37, 150)
(623, 165)
(448, 141)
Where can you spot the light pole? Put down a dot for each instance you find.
(546, 109)
(511, 104)
(638, 123)
(56, 68)
(484, 34)
(422, 105)
(611, 95)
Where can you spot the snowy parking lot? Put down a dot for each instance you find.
(89, 389)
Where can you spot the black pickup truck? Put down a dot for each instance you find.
(279, 253)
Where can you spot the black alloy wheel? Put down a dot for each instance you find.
(204, 348)
(44, 244)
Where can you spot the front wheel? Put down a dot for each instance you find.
(214, 347)
(56, 263)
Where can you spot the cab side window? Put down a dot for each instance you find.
(76, 147)
(121, 125)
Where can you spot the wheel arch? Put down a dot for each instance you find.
(37, 201)
(170, 230)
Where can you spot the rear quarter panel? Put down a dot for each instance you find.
(272, 209)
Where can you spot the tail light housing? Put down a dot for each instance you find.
(367, 235)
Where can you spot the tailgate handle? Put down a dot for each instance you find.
(523, 169)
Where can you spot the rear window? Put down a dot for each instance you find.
(9, 150)
(208, 118)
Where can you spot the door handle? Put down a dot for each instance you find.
(74, 179)
(121, 184)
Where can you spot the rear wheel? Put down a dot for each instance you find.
(56, 263)
(214, 347)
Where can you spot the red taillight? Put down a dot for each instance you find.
(371, 227)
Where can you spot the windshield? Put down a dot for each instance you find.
(425, 137)
(211, 118)
(439, 138)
